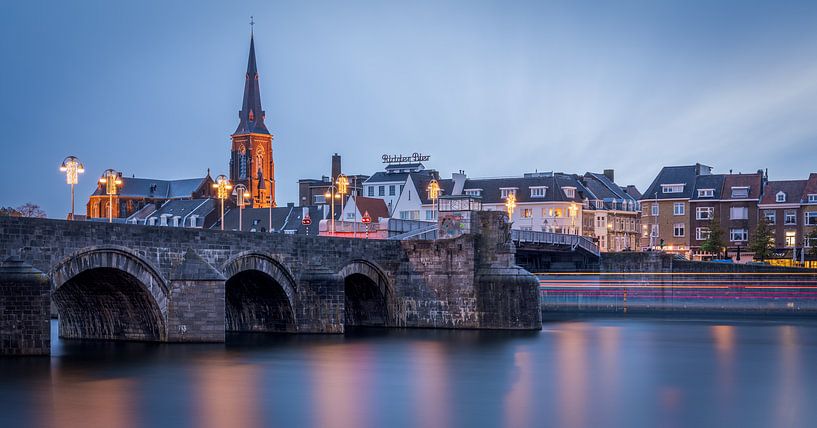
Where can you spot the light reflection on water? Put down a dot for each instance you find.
(596, 372)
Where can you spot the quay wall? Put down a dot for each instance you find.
(658, 283)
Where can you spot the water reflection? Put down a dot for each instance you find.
(618, 373)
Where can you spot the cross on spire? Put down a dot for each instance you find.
(252, 24)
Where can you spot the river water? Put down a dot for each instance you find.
(618, 372)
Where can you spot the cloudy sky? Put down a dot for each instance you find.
(153, 88)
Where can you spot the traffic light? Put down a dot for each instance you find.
(661, 244)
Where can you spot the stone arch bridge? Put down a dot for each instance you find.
(131, 282)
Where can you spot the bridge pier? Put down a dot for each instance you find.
(196, 310)
(25, 322)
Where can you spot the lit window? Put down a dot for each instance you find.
(791, 238)
(738, 213)
(527, 213)
(706, 193)
(740, 192)
(704, 213)
(737, 235)
(678, 230)
(678, 208)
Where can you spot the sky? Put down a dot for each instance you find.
(153, 88)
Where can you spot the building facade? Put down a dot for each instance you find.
(135, 194)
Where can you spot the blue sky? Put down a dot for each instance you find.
(153, 88)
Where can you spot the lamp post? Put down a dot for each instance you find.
(112, 181)
(223, 186)
(332, 194)
(272, 182)
(433, 194)
(72, 167)
(343, 186)
(241, 194)
(510, 206)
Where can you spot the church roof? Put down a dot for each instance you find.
(251, 116)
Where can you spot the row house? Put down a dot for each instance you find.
(591, 205)
(134, 194)
(790, 208)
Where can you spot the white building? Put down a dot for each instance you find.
(389, 184)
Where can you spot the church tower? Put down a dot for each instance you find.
(251, 161)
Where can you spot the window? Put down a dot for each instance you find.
(381, 190)
(678, 208)
(654, 231)
(811, 218)
(319, 199)
(770, 216)
(430, 215)
(738, 213)
(702, 233)
(371, 190)
(678, 230)
(570, 192)
(654, 210)
(505, 191)
(790, 217)
(527, 213)
(538, 191)
(810, 242)
(672, 188)
(812, 198)
(706, 193)
(410, 215)
(780, 197)
(740, 192)
(737, 235)
(791, 238)
(391, 190)
(473, 192)
(704, 213)
(350, 216)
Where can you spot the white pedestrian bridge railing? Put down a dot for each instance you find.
(551, 238)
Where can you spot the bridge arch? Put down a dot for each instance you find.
(260, 294)
(368, 295)
(110, 293)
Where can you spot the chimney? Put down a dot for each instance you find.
(459, 182)
(335, 167)
(610, 174)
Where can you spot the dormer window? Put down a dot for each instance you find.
(570, 192)
(672, 188)
(538, 191)
(780, 197)
(706, 193)
(472, 192)
(740, 192)
(812, 199)
(505, 191)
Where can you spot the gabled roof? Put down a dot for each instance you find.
(713, 181)
(157, 189)
(811, 186)
(283, 219)
(492, 188)
(603, 188)
(376, 207)
(389, 177)
(792, 188)
(673, 175)
(752, 181)
(632, 191)
(251, 116)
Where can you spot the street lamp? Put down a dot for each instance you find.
(111, 180)
(510, 205)
(335, 192)
(223, 185)
(343, 187)
(433, 194)
(241, 194)
(72, 167)
(272, 184)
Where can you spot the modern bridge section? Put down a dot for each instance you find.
(131, 282)
(555, 252)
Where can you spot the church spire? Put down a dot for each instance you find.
(251, 116)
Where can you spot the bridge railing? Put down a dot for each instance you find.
(427, 233)
(551, 238)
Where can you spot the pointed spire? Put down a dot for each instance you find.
(251, 116)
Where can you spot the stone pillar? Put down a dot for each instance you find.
(25, 317)
(321, 302)
(196, 308)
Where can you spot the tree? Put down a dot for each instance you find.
(715, 242)
(30, 210)
(762, 240)
(9, 212)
